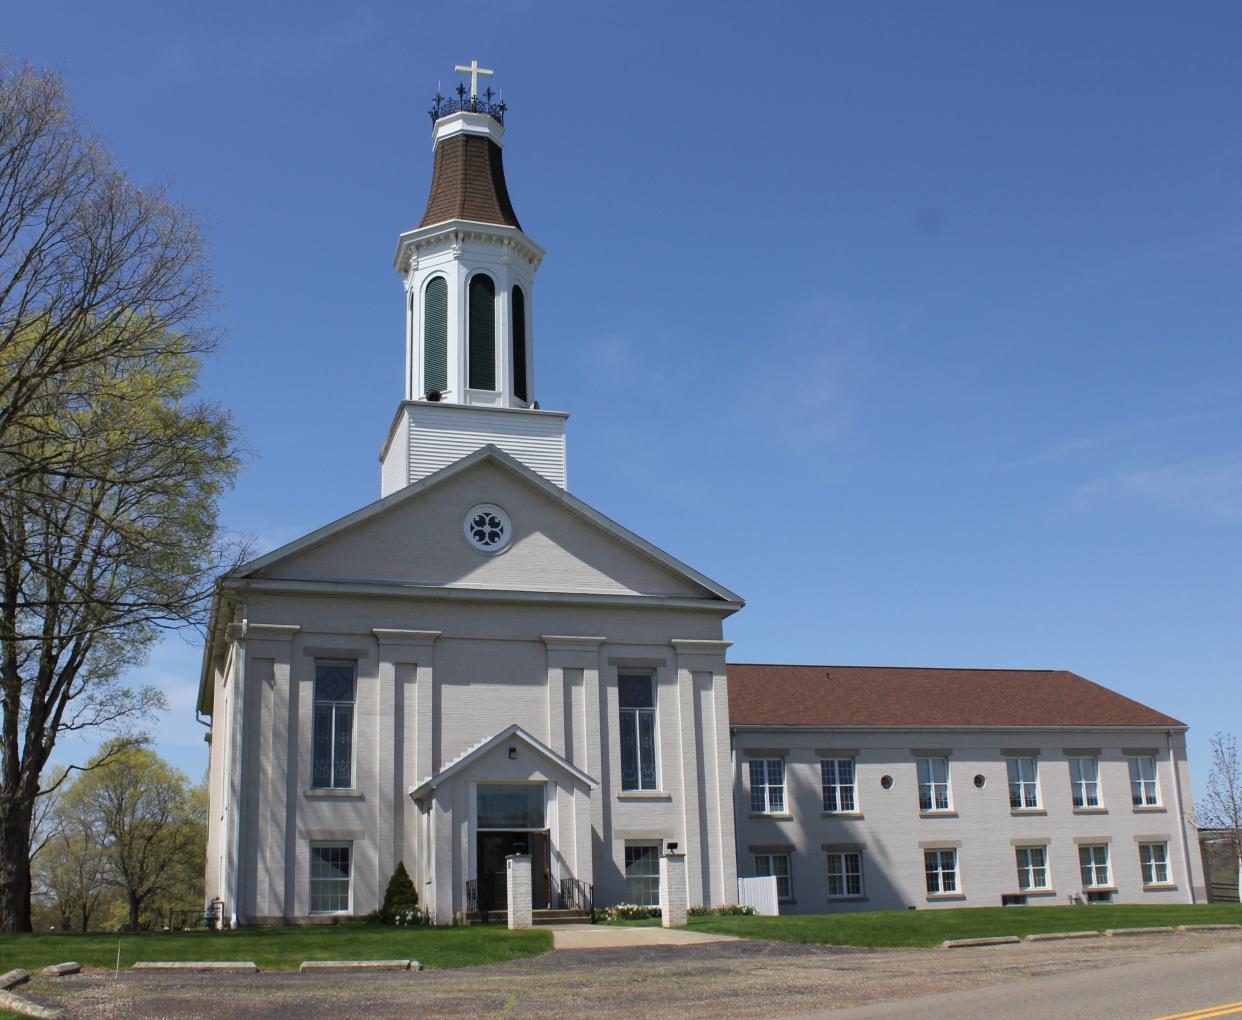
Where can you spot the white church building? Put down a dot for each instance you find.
(478, 665)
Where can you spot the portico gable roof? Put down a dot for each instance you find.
(513, 732)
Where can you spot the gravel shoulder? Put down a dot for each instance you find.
(717, 980)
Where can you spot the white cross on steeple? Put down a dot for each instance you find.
(474, 70)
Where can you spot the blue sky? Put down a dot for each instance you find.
(916, 324)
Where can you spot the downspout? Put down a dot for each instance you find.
(1181, 816)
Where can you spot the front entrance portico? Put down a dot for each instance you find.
(510, 794)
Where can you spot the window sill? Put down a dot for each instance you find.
(1161, 887)
(1028, 811)
(842, 814)
(1101, 810)
(938, 814)
(1035, 892)
(935, 897)
(771, 814)
(334, 793)
(1099, 888)
(1149, 809)
(847, 899)
(644, 795)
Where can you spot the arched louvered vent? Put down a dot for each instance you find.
(435, 335)
(519, 344)
(482, 333)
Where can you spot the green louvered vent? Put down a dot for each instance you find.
(482, 333)
(435, 335)
(519, 344)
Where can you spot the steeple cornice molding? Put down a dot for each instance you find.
(454, 234)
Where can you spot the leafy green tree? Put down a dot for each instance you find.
(150, 824)
(110, 471)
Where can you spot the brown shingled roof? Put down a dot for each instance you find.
(468, 183)
(776, 695)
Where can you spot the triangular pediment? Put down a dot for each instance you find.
(417, 537)
(481, 751)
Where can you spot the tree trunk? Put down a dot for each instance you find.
(14, 865)
(134, 906)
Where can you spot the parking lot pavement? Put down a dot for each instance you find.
(716, 979)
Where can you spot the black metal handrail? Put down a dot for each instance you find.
(442, 106)
(574, 894)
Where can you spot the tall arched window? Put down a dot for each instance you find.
(519, 344)
(482, 333)
(435, 335)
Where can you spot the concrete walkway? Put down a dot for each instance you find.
(611, 936)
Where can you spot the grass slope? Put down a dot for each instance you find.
(279, 948)
(905, 928)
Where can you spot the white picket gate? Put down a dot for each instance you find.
(759, 893)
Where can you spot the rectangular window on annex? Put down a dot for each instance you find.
(934, 784)
(329, 878)
(1154, 860)
(332, 727)
(837, 781)
(636, 698)
(642, 874)
(1023, 787)
(767, 786)
(778, 865)
(1143, 780)
(845, 878)
(1032, 867)
(1085, 782)
(940, 867)
(1093, 863)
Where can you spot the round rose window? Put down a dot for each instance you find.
(488, 528)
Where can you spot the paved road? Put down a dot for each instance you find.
(1186, 987)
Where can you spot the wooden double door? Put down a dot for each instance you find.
(493, 847)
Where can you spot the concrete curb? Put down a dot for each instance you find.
(234, 965)
(995, 940)
(1208, 927)
(13, 978)
(309, 965)
(61, 969)
(16, 1004)
(1113, 932)
(1057, 936)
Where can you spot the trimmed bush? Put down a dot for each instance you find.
(400, 905)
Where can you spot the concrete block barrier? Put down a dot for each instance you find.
(231, 965)
(61, 969)
(24, 1007)
(1114, 932)
(1058, 936)
(1209, 927)
(13, 978)
(994, 940)
(311, 965)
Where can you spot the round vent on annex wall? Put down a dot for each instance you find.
(487, 528)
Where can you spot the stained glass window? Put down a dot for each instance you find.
(636, 698)
(332, 731)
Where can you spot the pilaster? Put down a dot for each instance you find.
(405, 658)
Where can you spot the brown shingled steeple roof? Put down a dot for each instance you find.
(468, 183)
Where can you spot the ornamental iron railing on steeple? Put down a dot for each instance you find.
(443, 106)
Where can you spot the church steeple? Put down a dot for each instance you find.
(469, 273)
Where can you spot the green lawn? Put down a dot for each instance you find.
(279, 948)
(895, 928)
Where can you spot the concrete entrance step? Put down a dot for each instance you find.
(538, 917)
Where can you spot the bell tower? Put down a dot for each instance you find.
(468, 271)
